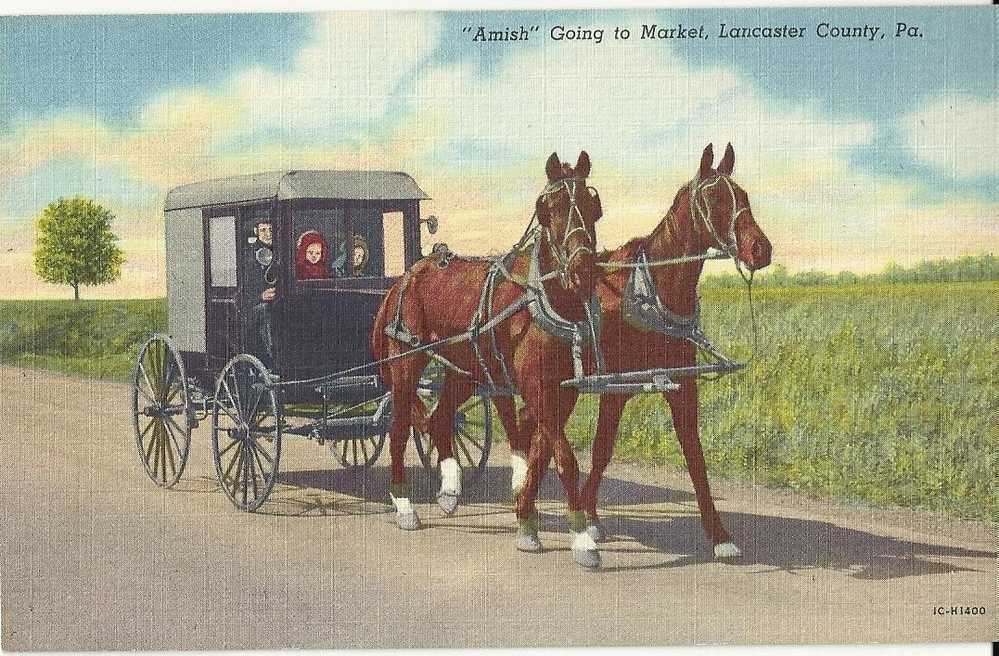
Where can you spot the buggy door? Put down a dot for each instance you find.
(221, 275)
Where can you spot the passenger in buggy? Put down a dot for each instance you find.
(261, 288)
(311, 256)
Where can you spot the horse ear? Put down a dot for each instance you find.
(553, 168)
(583, 165)
(707, 159)
(728, 161)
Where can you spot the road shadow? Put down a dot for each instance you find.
(792, 545)
(659, 519)
(491, 486)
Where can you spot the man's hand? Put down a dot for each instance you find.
(269, 294)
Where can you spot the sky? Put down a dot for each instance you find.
(854, 152)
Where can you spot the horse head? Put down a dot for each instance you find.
(722, 214)
(567, 210)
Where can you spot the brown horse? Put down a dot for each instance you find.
(710, 212)
(442, 296)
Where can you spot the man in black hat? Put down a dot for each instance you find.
(261, 290)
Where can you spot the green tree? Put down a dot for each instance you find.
(75, 245)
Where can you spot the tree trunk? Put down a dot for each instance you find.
(76, 291)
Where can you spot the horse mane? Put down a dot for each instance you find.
(669, 229)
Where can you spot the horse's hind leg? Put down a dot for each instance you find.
(611, 407)
(405, 402)
(455, 391)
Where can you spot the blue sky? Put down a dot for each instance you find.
(123, 107)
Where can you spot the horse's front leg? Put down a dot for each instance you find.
(608, 421)
(407, 411)
(683, 404)
(519, 445)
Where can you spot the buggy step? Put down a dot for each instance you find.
(649, 381)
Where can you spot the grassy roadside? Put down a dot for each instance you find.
(885, 393)
(99, 339)
(872, 391)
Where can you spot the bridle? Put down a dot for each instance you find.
(702, 210)
(574, 223)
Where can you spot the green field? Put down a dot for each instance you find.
(879, 392)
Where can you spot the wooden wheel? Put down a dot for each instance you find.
(246, 432)
(161, 411)
(473, 426)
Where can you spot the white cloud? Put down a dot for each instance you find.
(957, 134)
(361, 94)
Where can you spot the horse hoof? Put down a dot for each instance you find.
(584, 550)
(529, 543)
(448, 501)
(408, 521)
(588, 558)
(596, 530)
(727, 551)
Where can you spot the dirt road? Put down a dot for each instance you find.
(96, 557)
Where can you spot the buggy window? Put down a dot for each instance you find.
(222, 250)
(328, 224)
(395, 243)
(367, 255)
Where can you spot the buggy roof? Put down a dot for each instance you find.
(287, 185)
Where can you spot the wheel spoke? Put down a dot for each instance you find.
(152, 390)
(233, 397)
(152, 442)
(180, 429)
(232, 461)
(145, 430)
(158, 437)
(267, 457)
(226, 450)
(176, 442)
(467, 436)
(168, 452)
(167, 380)
(225, 408)
(461, 445)
(252, 416)
(256, 456)
(364, 449)
(252, 470)
(246, 474)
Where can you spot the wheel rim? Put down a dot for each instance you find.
(246, 432)
(161, 414)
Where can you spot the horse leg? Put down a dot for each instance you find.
(584, 548)
(611, 407)
(683, 404)
(405, 401)
(519, 447)
(454, 392)
(539, 455)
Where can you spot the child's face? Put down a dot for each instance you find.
(358, 256)
(314, 253)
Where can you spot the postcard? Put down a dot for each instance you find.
(472, 329)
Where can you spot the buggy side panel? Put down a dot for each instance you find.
(185, 279)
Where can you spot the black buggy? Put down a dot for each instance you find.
(255, 328)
